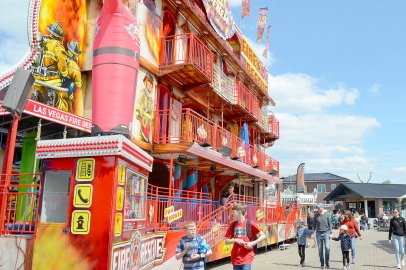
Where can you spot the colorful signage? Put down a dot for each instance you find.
(253, 65)
(82, 196)
(178, 214)
(138, 253)
(118, 224)
(120, 199)
(121, 174)
(52, 114)
(80, 223)
(85, 169)
(220, 17)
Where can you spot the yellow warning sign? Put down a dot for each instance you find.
(80, 223)
(120, 198)
(82, 196)
(121, 174)
(118, 224)
(85, 169)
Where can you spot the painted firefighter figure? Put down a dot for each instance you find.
(56, 67)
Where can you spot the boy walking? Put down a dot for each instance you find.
(242, 234)
(346, 245)
(302, 233)
(192, 248)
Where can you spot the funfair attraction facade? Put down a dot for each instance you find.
(141, 114)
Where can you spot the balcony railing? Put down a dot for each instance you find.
(223, 85)
(187, 126)
(186, 49)
(247, 100)
(269, 124)
(273, 125)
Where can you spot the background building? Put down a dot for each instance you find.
(322, 183)
(376, 198)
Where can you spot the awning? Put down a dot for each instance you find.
(214, 156)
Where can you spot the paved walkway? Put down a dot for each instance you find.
(373, 252)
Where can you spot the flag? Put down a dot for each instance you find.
(300, 178)
(245, 8)
(262, 16)
(268, 36)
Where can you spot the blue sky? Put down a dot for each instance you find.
(337, 74)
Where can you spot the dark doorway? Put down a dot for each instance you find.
(159, 175)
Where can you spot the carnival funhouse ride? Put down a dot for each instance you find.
(179, 111)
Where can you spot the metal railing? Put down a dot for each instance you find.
(193, 206)
(187, 126)
(20, 195)
(247, 100)
(186, 49)
(223, 85)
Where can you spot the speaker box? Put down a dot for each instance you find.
(18, 91)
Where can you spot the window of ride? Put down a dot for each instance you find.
(333, 186)
(55, 200)
(135, 198)
(321, 188)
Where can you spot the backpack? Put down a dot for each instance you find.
(249, 233)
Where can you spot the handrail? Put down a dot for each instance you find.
(246, 99)
(184, 49)
(187, 126)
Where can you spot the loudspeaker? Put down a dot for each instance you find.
(226, 151)
(18, 91)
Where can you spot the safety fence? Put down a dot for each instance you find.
(19, 197)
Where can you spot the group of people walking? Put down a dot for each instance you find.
(245, 235)
(321, 229)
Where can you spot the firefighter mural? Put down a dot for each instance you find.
(144, 107)
(57, 67)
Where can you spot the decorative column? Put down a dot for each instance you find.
(178, 182)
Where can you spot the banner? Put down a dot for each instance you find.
(300, 178)
(245, 8)
(262, 16)
(268, 36)
(220, 17)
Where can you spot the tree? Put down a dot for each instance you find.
(387, 182)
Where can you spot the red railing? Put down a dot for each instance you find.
(247, 100)
(274, 125)
(19, 203)
(186, 49)
(187, 126)
(194, 205)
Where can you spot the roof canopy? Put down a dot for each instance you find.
(366, 191)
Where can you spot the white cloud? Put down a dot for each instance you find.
(375, 89)
(13, 33)
(299, 93)
(234, 3)
(310, 133)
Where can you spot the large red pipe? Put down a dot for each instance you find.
(116, 52)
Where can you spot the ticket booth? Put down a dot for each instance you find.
(93, 198)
